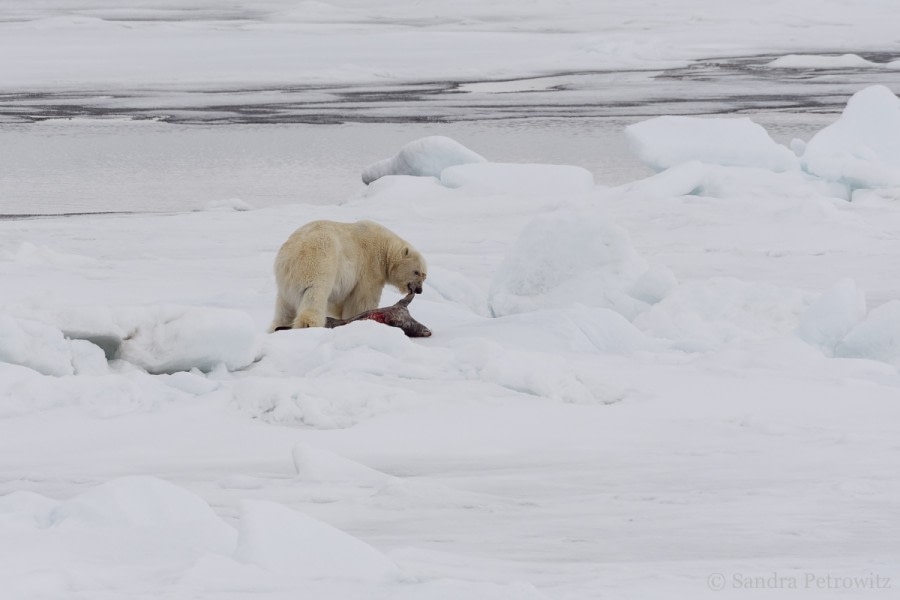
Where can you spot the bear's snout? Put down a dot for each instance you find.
(414, 287)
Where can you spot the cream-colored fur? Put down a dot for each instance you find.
(339, 270)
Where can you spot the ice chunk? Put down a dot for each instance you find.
(878, 337)
(181, 339)
(862, 148)
(830, 317)
(664, 142)
(35, 345)
(425, 157)
(518, 178)
(681, 180)
(818, 61)
(297, 546)
(565, 259)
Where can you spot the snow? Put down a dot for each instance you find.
(518, 178)
(600, 355)
(861, 149)
(426, 157)
(630, 389)
(669, 141)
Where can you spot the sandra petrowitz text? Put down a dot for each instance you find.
(797, 581)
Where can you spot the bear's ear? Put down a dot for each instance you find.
(406, 251)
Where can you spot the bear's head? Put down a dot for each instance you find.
(408, 271)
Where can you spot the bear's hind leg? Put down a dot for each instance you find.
(284, 314)
(312, 309)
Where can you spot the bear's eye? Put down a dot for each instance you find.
(416, 273)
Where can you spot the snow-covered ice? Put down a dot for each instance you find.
(518, 178)
(660, 389)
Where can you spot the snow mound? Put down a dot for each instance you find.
(33, 255)
(877, 338)
(112, 534)
(317, 464)
(833, 314)
(817, 61)
(654, 284)
(862, 148)
(518, 178)
(425, 157)
(297, 546)
(565, 259)
(180, 339)
(664, 142)
(704, 315)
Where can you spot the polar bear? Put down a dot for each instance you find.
(336, 269)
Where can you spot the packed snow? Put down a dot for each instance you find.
(682, 386)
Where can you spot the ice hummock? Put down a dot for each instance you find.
(425, 157)
(862, 148)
